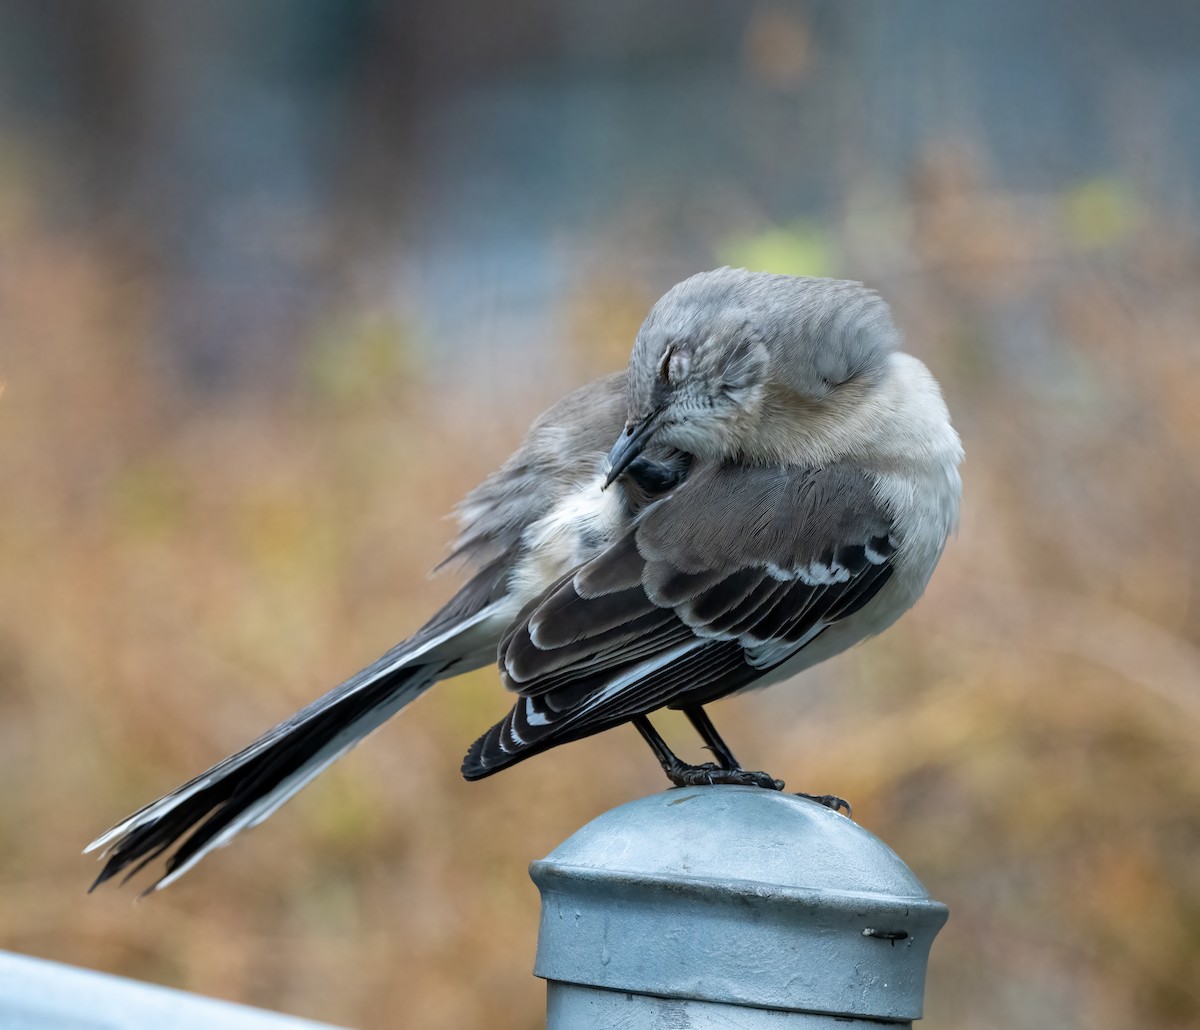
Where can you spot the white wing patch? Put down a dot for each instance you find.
(814, 574)
(769, 653)
(874, 557)
(638, 672)
(532, 715)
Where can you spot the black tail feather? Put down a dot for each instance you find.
(253, 776)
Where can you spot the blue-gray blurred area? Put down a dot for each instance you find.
(464, 163)
(281, 281)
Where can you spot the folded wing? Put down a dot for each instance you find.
(717, 584)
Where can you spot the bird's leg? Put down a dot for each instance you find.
(683, 775)
(704, 726)
(699, 719)
(667, 758)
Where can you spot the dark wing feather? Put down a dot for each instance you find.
(714, 586)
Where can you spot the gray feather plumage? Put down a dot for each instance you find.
(740, 567)
(563, 446)
(797, 491)
(742, 327)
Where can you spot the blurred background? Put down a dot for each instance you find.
(264, 270)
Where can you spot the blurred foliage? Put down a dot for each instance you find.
(1101, 213)
(800, 249)
(182, 570)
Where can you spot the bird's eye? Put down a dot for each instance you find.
(676, 361)
(664, 369)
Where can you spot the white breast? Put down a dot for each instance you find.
(586, 521)
(905, 442)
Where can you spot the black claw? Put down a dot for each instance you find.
(762, 779)
(709, 774)
(830, 801)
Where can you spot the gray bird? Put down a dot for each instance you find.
(782, 483)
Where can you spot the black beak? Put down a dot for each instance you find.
(629, 445)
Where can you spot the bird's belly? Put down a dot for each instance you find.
(586, 521)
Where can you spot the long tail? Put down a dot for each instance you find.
(247, 787)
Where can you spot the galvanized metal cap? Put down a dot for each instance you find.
(741, 896)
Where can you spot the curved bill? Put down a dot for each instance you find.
(629, 445)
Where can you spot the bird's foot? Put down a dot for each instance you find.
(829, 801)
(708, 774)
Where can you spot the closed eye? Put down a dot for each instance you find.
(664, 370)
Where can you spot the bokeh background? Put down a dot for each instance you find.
(279, 281)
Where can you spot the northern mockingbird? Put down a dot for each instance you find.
(781, 486)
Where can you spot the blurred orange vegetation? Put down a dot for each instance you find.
(181, 571)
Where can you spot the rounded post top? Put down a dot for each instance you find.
(738, 834)
(737, 896)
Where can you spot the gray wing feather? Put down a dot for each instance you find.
(560, 446)
(713, 586)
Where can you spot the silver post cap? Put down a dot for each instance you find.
(737, 895)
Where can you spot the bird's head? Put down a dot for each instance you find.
(725, 351)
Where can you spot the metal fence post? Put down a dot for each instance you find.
(40, 995)
(730, 907)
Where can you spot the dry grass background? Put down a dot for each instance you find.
(179, 572)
